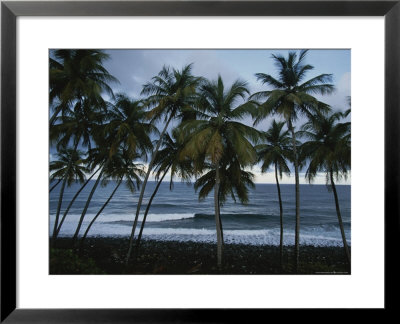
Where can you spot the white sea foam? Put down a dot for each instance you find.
(173, 217)
(253, 237)
(116, 218)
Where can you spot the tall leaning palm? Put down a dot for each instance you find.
(219, 130)
(292, 96)
(275, 152)
(329, 150)
(167, 160)
(98, 157)
(70, 167)
(121, 169)
(170, 95)
(73, 200)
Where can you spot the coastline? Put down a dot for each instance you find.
(102, 255)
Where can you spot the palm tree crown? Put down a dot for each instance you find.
(291, 95)
(234, 180)
(60, 168)
(219, 127)
(276, 150)
(172, 93)
(127, 126)
(169, 157)
(76, 76)
(327, 146)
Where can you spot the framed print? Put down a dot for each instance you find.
(353, 45)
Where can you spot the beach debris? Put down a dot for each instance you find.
(196, 268)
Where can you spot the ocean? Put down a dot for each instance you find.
(178, 214)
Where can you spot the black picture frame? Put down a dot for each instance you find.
(10, 10)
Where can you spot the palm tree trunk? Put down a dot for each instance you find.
(280, 216)
(51, 189)
(143, 189)
(86, 208)
(147, 210)
(99, 212)
(60, 199)
(346, 248)
(217, 218)
(220, 220)
(72, 202)
(297, 189)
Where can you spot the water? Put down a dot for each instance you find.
(178, 215)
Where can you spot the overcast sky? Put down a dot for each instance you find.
(133, 68)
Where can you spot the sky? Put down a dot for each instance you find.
(133, 68)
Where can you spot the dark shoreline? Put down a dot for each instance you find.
(107, 255)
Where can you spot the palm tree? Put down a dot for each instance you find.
(329, 150)
(290, 97)
(168, 159)
(76, 76)
(122, 168)
(234, 183)
(76, 126)
(171, 95)
(219, 130)
(70, 167)
(125, 129)
(276, 153)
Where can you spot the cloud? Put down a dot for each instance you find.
(338, 101)
(133, 68)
